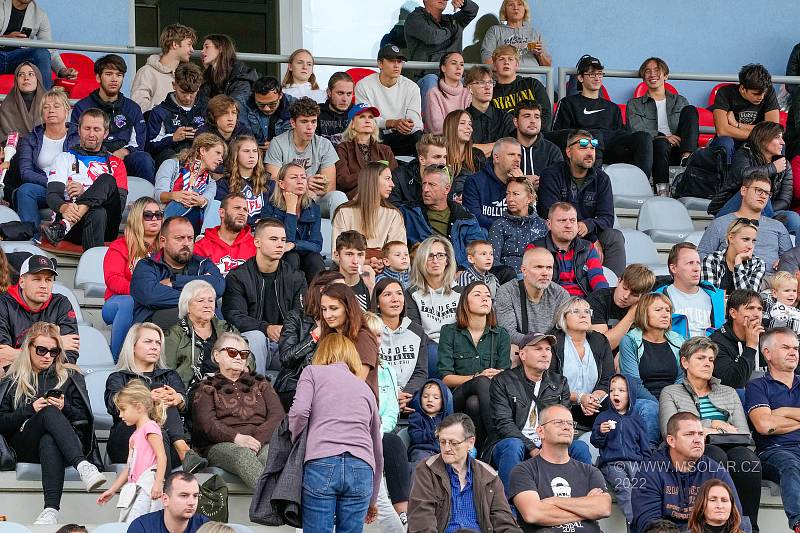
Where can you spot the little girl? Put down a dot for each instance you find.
(300, 80)
(142, 480)
(245, 174)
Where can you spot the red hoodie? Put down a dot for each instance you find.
(226, 256)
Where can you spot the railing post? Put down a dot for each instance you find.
(562, 82)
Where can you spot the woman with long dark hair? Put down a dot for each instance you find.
(449, 94)
(463, 159)
(714, 510)
(224, 74)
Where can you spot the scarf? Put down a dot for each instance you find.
(15, 114)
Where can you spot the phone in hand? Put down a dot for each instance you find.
(26, 31)
(53, 393)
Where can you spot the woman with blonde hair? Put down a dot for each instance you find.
(245, 174)
(46, 416)
(736, 267)
(359, 147)
(519, 226)
(515, 29)
(339, 414)
(215, 527)
(463, 159)
(300, 79)
(140, 240)
(290, 202)
(184, 185)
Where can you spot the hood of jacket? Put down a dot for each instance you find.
(14, 292)
(447, 397)
(153, 62)
(631, 386)
(240, 71)
(242, 239)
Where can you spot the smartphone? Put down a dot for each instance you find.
(54, 393)
(26, 31)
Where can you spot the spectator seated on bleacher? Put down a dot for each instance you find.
(245, 174)
(266, 111)
(488, 122)
(771, 405)
(772, 239)
(140, 240)
(464, 159)
(579, 269)
(614, 308)
(334, 115)
(127, 136)
(350, 255)
(300, 80)
(512, 89)
(31, 15)
(738, 108)
(53, 429)
(185, 186)
(287, 200)
(230, 244)
(224, 74)
(431, 150)
(156, 79)
(180, 499)
(671, 122)
(222, 119)
(21, 109)
(173, 123)
(712, 508)
(158, 280)
(736, 267)
(36, 153)
(519, 226)
(537, 152)
(698, 307)
(234, 412)
(260, 294)
(592, 197)
(142, 358)
(485, 191)
(738, 355)
(448, 95)
(431, 404)
(780, 302)
(516, 29)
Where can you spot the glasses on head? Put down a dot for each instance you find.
(441, 256)
(43, 351)
(747, 222)
(484, 83)
(584, 143)
(270, 105)
(233, 353)
(152, 215)
(596, 75)
(443, 443)
(561, 423)
(761, 192)
(581, 312)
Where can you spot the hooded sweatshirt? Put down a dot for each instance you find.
(628, 440)
(226, 256)
(165, 118)
(331, 122)
(485, 196)
(404, 349)
(422, 426)
(128, 129)
(152, 83)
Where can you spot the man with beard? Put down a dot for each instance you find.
(333, 116)
(537, 152)
(86, 187)
(230, 244)
(158, 280)
(578, 182)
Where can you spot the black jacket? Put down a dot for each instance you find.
(244, 298)
(238, 86)
(594, 199)
(16, 318)
(407, 184)
(582, 248)
(506, 97)
(511, 403)
(296, 348)
(332, 123)
(602, 356)
(733, 366)
(160, 377)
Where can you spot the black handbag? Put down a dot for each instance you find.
(8, 457)
(729, 440)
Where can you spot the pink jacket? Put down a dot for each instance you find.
(440, 102)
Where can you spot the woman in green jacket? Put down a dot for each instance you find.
(471, 352)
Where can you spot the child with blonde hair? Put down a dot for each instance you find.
(142, 480)
(780, 302)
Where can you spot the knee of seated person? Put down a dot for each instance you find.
(472, 406)
(690, 110)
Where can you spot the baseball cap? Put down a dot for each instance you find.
(357, 109)
(587, 62)
(37, 263)
(533, 338)
(391, 51)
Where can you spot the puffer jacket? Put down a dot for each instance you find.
(682, 397)
(238, 86)
(28, 153)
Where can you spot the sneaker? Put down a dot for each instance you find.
(90, 475)
(48, 517)
(192, 462)
(54, 232)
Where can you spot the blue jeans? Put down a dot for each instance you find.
(194, 214)
(648, 410)
(336, 492)
(729, 143)
(40, 57)
(510, 452)
(118, 312)
(426, 83)
(141, 164)
(29, 198)
(433, 360)
(782, 465)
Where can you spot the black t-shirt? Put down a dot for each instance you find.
(490, 126)
(506, 97)
(658, 367)
(362, 294)
(572, 480)
(605, 311)
(207, 363)
(271, 312)
(726, 283)
(14, 24)
(729, 99)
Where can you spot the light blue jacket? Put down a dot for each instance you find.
(631, 350)
(389, 408)
(680, 323)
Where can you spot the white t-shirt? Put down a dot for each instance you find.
(661, 111)
(532, 422)
(696, 307)
(50, 150)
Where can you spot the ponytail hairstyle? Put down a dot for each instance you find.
(135, 392)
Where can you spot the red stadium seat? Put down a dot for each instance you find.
(784, 117)
(86, 82)
(641, 89)
(358, 74)
(713, 95)
(604, 93)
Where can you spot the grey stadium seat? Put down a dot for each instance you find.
(8, 215)
(239, 528)
(639, 248)
(665, 220)
(611, 278)
(327, 232)
(13, 527)
(89, 273)
(629, 184)
(695, 204)
(138, 188)
(95, 352)
(60, 288)
(111, 527)
(23, 246)
(96, 385)
(694, 237)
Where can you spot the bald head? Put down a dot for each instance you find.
(553, 412)
(537, 255)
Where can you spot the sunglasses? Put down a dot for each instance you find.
(42, 351)
(268, 105)
(584, 143)
(152, 215)
(233, 353)
(747, 222)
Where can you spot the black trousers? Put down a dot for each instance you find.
(101, 222)
(402, 144)
(311, 263)
(165, 318)
(664, 154)
(745, 469)
(49, 439)
(613, 244)
(618, 146)
(473, 399)
(396, 468)
(120, 434)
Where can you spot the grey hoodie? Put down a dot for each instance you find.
(152, 83)
(404, 349)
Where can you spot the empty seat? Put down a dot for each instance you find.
(60, 288)
(95, 352)
(8, 215)
(239, 528)
(138, 188)
(13, 527)
(22, 246)
(211, 218)
(665, 220)
(692, 203)
(111, 527)
(89, 274)
(327, 232)
(630, 186)
(639, 248)
(33, 472)
(96, 386)
(694, 237)
(611, 278)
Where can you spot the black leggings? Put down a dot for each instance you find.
(664, 154)
(101, 222)
(120, 434)
(310, 263)
(473, 399)
(745, 469)
(49, 439)
(616, 146)
(396, 468)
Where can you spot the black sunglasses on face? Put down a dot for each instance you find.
(42, 351)
(152, 215)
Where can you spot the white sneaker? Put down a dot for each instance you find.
(90, 475)
(48, 517)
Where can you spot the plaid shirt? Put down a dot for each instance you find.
(463, 514)
(748, 275)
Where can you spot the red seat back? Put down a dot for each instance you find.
(713, 94)
(641, 89)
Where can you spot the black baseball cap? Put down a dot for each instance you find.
(587, 62)
(534, 338)
(37, 263)
(391, 51)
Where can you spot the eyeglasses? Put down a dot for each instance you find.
(761, 192)
(42, 351)
(484, 83)
(746, 222)
(561, 423)
(152, 215)
(443, 443)
(441, 256)
(270, 105)
(596, 75)
(584, 143)
(233, 353)
(581, 312)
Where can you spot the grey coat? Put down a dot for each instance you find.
(642, 115)
(681, 397)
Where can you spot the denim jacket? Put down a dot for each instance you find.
(642, 115)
